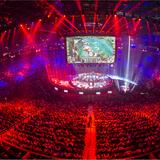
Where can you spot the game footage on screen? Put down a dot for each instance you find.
(90, 49)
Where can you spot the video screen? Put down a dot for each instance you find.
(90, 49)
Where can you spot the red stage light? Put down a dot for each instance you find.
(136, 24)
(84, 22)
(117, 5)
(94, 23)
(27, 33)
(96, 5)
(107, 20)
(136, 6)
(78, 3)
(116, 25)
(59, 13)
(59, 22)
(36, 27)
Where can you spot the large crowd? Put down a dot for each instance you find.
(55, 130)
(127, 130)
(40, 129)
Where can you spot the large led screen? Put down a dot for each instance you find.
(90, 49)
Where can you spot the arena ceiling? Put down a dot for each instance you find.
(13, 12)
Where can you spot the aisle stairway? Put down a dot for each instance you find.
(90, 138)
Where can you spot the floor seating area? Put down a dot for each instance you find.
(126, 130)
(55, 131)
(43, 130)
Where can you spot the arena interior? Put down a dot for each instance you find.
(79, 79)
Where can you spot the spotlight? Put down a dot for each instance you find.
(109, 92)
(81, 93)
(56, 88)
(112, 65)
(124, 88)
(65, 91)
